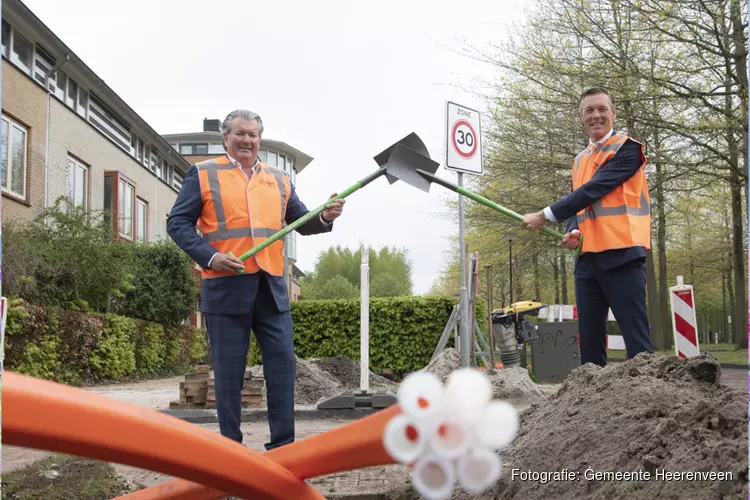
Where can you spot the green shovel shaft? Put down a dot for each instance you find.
(491, 204)
(312, 214)
(510, 213)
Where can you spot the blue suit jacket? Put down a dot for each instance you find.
(614, 172)
(231, 294)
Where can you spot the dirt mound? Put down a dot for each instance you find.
(515, 386)
(444, 363)
(511, 384)
(647, 415)
(322, 378)
(346, 372)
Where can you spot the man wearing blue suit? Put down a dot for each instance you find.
(237, 202)
(609, 205)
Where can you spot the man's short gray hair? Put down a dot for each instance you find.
(244, 114)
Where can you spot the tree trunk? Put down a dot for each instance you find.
(564, 279)
(724, 325)
(729, 335)
(556, 276)
(537, 287)
(661, 243)
(654, 314)
(739, 318)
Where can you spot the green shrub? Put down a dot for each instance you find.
(76, 348)
(404, 331)
(65, 257)
(114, 357)
(150, 350)
(163, 289)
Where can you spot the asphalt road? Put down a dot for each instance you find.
(734, 377)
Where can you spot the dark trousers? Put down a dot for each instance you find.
(229, 336)
(623, 289)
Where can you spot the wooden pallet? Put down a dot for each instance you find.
(251, 396)
(193, 391)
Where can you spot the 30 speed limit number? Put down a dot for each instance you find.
(464, 139)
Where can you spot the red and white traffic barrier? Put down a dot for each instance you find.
(559, 312)
(684, 323)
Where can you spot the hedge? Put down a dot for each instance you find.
(77, 348)
(404, 331)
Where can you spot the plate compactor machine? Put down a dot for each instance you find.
(512, 328)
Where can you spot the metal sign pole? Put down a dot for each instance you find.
(465, 327)
(463, 154)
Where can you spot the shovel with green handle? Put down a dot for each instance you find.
(430, 177)
(410, 146)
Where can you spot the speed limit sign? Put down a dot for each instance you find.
(463, 139)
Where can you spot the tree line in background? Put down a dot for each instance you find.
(677, 69)
(337, 274)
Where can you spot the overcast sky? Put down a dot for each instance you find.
(339, 80)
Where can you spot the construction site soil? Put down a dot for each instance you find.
(322, 378)
(650, 415)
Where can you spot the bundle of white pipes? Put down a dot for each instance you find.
(450, 434)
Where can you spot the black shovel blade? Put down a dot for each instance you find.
(412, 141)
(404, 162)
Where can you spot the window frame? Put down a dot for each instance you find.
(86, 181)
(11, 123)
(138, 225)
(118, 177)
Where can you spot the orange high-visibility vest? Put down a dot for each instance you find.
(237, 214)
(622, 218)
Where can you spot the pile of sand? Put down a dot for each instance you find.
(649, 414)
(318, 379)
(510, 384)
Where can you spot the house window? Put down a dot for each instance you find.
(6, 39)
(154, 160)
(108, 122)
(216, 149)
(22, 53)
(83, 102)
(186, 149)
(78, 176)
(125, 209)
(61, 84)
(72, 97)
(263, 156)
(141, 217)
(177, 180)
(273, 158)
(43, 64)
(14, 157)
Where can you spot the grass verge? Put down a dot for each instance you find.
(64, 477)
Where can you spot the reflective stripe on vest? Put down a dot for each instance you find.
(237, 214)
(622, 218)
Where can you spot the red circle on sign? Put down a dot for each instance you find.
(453, 138)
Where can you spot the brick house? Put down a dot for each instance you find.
(66, 133)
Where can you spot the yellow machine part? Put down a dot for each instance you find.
(522, 307)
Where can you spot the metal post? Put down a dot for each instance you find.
(489, 315)
(364, 335)
(511, 289)
(465, 328)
